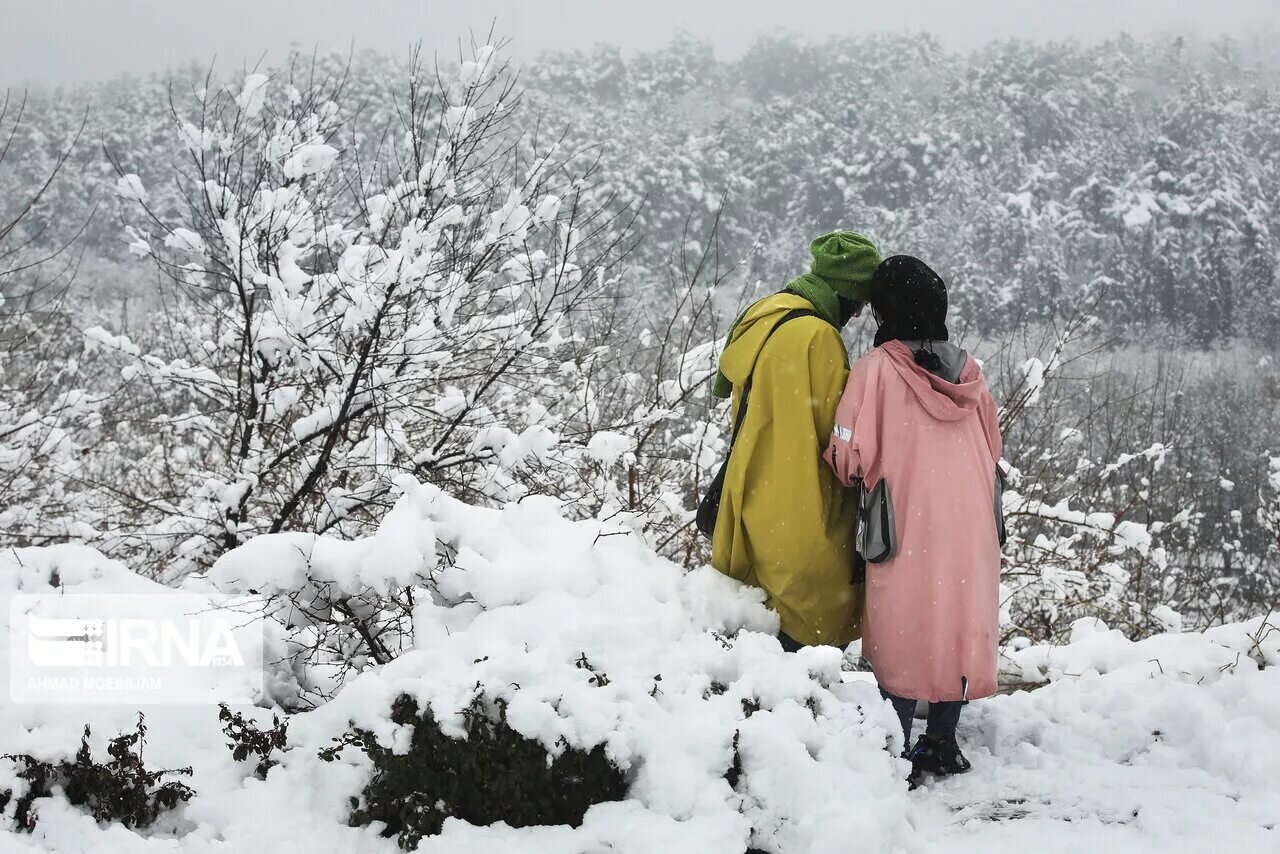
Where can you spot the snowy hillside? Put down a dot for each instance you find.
(1169, 744)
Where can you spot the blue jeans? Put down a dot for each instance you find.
(943, 717)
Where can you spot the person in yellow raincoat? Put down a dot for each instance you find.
(785, 523)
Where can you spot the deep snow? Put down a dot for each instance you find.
(1170, 744)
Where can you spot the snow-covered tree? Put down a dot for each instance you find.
(341, 315)
(43, 405)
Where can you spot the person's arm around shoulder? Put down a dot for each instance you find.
(805, 367)
(851, 443)
(828, 372)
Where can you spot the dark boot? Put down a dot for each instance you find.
(937, 754)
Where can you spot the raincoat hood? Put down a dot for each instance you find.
(739, 358)
(943, 400)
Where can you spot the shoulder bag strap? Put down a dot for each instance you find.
(746, 389)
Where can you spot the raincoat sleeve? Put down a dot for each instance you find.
(854, 435)
(828, 369)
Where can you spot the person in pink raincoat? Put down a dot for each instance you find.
(917, 415)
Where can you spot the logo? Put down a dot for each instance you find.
(135, 649)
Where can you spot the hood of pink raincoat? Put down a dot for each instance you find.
(945, 401)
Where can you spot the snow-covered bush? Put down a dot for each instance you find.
(492, 774)
(47, 417)
(1121, 503)
(120, 789)
(1249, 646)
(1073, 549)
(586, 638)
(246, 740)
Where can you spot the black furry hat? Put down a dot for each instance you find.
(911, 300)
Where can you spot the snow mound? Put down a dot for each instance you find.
(593, 640)
(1193, 656)
(67, 568)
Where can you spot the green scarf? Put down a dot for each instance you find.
(812, 287)
(817, 291)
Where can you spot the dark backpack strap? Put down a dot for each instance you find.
(746, 388)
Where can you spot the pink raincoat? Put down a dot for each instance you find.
(932, 610)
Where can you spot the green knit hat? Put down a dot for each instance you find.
(846, 260)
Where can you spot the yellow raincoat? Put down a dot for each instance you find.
(786, 524)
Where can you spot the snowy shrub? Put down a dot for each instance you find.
(1092, 647)
(245, 739)
(492, 774)
(1071, 550)
(589, 643)
(121, 789)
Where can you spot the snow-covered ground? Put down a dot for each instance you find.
(1169, 744)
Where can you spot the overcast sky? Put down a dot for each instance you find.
(61, 41)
